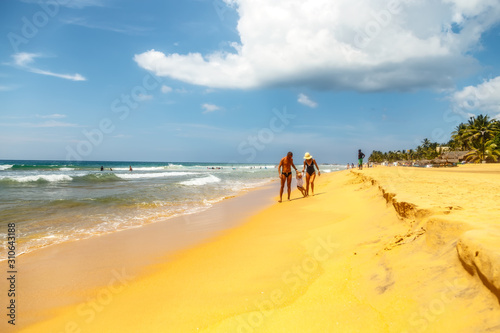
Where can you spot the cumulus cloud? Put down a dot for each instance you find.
(367, 45)
(209, 108)
(305, 100)
(25, 61)
(483, 98)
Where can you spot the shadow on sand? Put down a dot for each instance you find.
(300, 198)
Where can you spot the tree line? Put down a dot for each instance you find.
(479, 137)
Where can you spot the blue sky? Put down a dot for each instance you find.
(241, 80)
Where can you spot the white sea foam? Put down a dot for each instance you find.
(258, 167)
(201, 181)
(141, 168)
(6, 166)
(34, 178)
(66, 169)
(153, 175)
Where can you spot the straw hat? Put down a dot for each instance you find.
(307, 156)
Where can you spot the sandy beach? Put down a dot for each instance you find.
(378, 250)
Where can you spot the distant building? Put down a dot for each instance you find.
(442, 149)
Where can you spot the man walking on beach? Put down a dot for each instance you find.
(285, 174)
(360, 159)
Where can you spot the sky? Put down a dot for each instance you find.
(241, 81)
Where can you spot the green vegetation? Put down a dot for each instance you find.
(480, 137)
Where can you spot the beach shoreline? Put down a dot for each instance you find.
(73, 269)
(378, 250)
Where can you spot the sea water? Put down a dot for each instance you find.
(55, 201)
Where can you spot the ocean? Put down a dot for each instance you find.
(56, 201)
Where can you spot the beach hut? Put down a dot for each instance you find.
(455, 156)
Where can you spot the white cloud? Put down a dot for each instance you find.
(165, 89)
(51, 116)
(124, 29)
(367, 45)
(305, 100)
(483, 98)
(142, 97)
(24, 61)
(209, 108)
(6, 88)
(49, 123)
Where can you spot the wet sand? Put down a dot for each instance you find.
(69, 273)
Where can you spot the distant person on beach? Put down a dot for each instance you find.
(300, 183)
(309, 164)
(285, 174)
(348, 166)
(130, 168)
(352, 165)
(360, 159)
(102, 168)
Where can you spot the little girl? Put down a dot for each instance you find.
(300, 183)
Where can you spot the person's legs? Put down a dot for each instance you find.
(289, 184)
(313, 176)
(283, 179)
(307, 184)
(302, 190)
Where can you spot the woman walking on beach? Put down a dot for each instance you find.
(309, 164)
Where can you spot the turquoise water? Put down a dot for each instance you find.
(56, 201)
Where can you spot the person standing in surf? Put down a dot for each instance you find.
(309, 164)
(285, 174)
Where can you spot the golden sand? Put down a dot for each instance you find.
(378, 250)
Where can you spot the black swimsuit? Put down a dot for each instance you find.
(310, 168)
(286, 174)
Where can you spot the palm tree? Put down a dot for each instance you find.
(479, 131)
(426, 143)
(457, 137)
(485, 151)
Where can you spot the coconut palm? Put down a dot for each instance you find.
(477, 133)
(480, 127)
(457, 137)
(484, 151)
